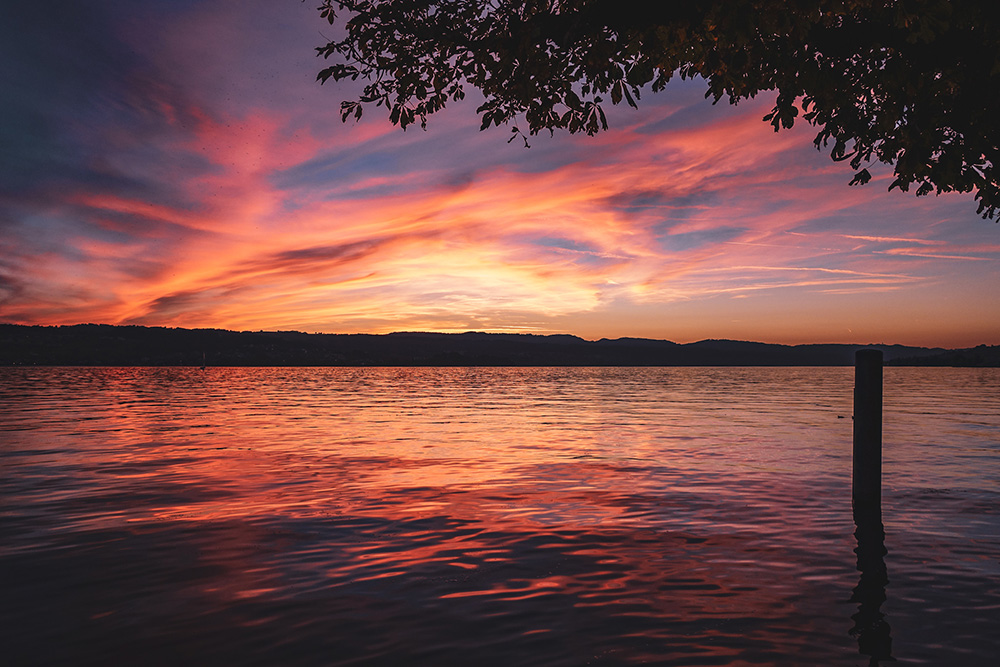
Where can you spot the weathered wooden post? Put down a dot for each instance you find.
(866, 492)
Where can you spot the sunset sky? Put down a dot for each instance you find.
(177, 164)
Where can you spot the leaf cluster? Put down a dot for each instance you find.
(910, 83)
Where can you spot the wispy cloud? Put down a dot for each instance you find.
(188, 171)
(914, 252)
(892, 239)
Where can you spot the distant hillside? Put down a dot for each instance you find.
(107, 345)
(980, 356)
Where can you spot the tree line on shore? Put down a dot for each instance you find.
(109, 345)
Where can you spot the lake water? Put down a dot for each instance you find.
(493, 516)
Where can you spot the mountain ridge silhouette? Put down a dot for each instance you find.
(133, 345)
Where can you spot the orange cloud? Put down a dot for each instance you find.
(371, 230)
(891, 239)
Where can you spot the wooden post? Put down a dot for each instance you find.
(866, 492)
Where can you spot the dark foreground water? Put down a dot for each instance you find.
(493, 517)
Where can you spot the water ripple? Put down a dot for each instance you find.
(492, 516)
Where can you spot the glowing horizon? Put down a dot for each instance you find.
(186, 170)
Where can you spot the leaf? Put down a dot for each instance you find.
(861, 177)
(628, 97)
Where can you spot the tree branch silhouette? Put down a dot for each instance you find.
(914, 84)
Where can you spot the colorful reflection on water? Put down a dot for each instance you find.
(546, 516)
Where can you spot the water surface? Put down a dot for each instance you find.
(493, 516)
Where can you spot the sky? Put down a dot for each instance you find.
(177, 164)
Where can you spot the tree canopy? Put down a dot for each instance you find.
(914, 84)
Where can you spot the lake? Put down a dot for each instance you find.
(494, 516)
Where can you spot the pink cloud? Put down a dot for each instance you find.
(266, 212)
(915, 252)
(892, 239)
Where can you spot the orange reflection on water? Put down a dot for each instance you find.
(554, 515)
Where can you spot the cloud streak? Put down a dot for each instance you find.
(191, 173)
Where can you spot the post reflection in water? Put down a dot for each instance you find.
(870, 625)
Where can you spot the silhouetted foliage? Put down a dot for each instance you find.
(914, 84)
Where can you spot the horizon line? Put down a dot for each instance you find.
(491, 333)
